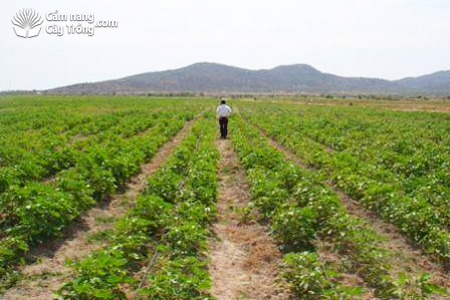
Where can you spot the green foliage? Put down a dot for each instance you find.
(179, 278)
(62, 167)
(295, 227)
(312, 279)
(300, 208)
(395, 163)
(165, 231)
(421, 288)
(101, 273)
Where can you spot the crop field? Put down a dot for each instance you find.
(139, 198)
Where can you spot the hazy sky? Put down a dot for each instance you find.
(376, 38)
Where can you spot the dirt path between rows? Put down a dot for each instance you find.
(406, 256)
(244, 261)
(42, 278)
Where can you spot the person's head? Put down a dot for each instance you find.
(223, 102)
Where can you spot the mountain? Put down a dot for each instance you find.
(299, 78)
(438, 83)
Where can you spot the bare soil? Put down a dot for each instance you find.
(47, 275)
(244, 260)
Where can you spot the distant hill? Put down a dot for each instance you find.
(437, 83)
(299, 78)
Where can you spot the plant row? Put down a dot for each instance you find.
(300, 209)
(410, 149)
(37, 160)
(375, 188)
(39, 211)
(157, 250)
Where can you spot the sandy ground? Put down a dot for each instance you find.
(244, 261)
(42, 278)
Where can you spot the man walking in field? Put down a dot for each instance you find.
(223, 111)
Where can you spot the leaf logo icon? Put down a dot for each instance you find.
(27, 23)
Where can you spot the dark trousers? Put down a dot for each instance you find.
(223, 122)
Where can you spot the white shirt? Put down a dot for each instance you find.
(224, 110)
